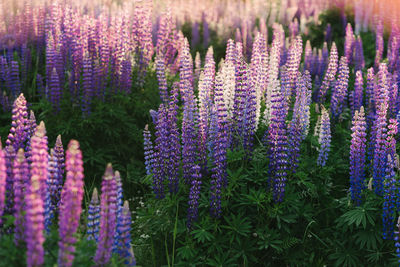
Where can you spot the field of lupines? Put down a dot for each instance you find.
(199, 133)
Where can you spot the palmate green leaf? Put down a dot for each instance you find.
(202, 235)
(357, 216)
(222, 260)
(186, 252)
(374, 256)
(345, 257)
(238, 225)
(368, 238)
(271, 238)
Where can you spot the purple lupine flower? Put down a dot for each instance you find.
(370, 88)
(174, 143)
(194, 196)
(186, 71)
(162, 80)
(324, 138)
(195, 34)
(391, 137)
(397, 238)
(120, 201)
(60, 165)
(339, 94)
(71, 204)
(308, 57)
(40, 157)
(54, 90)
(329, 74)
(13, 81)
(358, 59)
(241, 86)
(277, 140)
(394, 99)
(197, 66)
(40, 86)
(259, 72)
(142, 36)
(18, 131)
(389, 200)
(273, 72)
(328, 33)
(34, 237)
(148, 151)
(126, 75)
(31, 128)
(87, 85)
(161, 152)
(190, 141)
(10, 155)
(206, 85)
(108, 204)
(124, 247)
(206, 32)
(293, 63)
(349, 43)
(294, 142)
(357, 156)
(3, 177)
(379, 43)
(298, 127)
(380, 148)
(357, 94)
(219, 172)
(52, 188)
(230, 54)
(93, 219)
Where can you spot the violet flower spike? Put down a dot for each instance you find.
(324, 138)
(108, 218)
(21, 181)
(124, 247)
(71, 204)
(3, 177)
(357, 156)
(93, 219)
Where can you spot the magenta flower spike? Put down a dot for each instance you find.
(349, 43)
(293, 64)
(60, 166)
(329, 74)
(357, 156)
(34, 236)
(324, 138)
(3, 177)
(108, 218)
(339, 92)
(40, 158)
(18, 131)
(71, 204)
(162, 80)
(21, 181)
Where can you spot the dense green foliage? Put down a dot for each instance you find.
(315, 225)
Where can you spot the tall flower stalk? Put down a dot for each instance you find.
(71, 204)
(108, 212)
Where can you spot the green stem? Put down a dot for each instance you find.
(175, 232)
(166, 249)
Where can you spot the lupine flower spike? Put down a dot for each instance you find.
(71, 204)
(108, 214)
(324, 138)
(93, 220)
(357, 156)
(124, 246)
